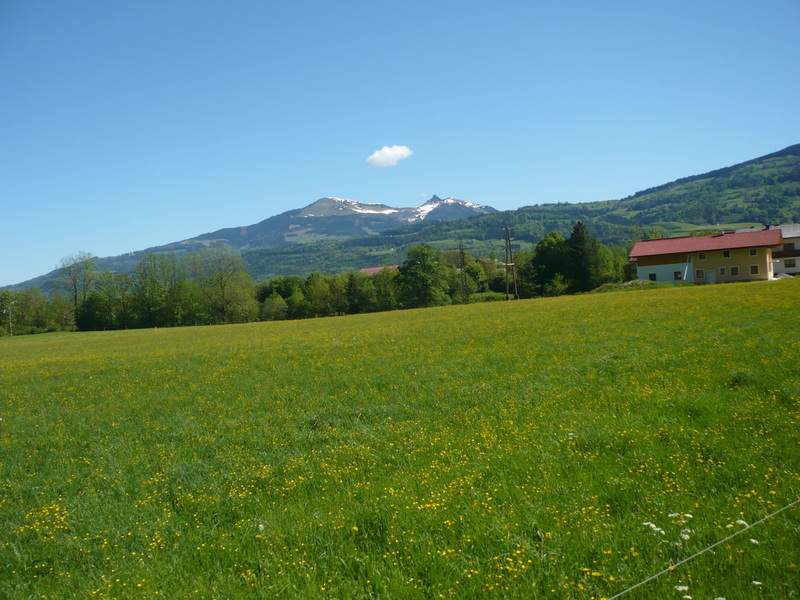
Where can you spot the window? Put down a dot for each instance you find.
(734, 271)
(726, 254)
(701, 256)
(788, 246)
(753, 269)
(699, 274)
(676, 275)
(722, 271)
(652, 276)
(790, 263)
(753, 251)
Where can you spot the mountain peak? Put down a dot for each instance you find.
(436, 209)
(337, 207)
(450, 208)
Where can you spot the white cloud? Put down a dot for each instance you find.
(389, 156)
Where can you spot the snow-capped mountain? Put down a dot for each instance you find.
(448, 209)
(433, 209)
(326, 219)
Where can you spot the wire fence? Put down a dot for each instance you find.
(704, 550)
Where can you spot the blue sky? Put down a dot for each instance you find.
(125, 125)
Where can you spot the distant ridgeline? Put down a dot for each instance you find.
(765, 190)
(333, 235)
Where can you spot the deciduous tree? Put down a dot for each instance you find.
(423, 279)
(77, 274)
(226, 289)
(386, 289)
(7, 301)
(274, 308)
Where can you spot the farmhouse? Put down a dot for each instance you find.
(724, 257)
(785, 259)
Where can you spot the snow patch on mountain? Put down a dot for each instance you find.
(332, 206)
(328, 206)
(372, 209)
(421, 212)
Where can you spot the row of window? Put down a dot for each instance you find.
(727, 253)
(753, 251)
(723, 272)
(789, 263)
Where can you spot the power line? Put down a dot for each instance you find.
(696, 554)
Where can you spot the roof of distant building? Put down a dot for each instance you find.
(789, 230)
(375, 270)
(707, 243)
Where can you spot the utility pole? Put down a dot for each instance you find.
(462, 264)
(510, 264)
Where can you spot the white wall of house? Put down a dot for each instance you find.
(788, 265)
(780, 267)
(667, 272)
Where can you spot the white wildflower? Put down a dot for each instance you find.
(682, 588)
(687, 515)
(654, 527)
(673, 515)
(756, 582)
(752, 541)
(261, 527)
(685, 536)
(742, 523)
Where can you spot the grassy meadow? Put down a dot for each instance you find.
(552, 448)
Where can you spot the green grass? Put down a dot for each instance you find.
(637, 285)
(501, 450)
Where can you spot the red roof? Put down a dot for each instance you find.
(376, 270)
(707, 243)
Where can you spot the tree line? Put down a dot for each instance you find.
(212, 286)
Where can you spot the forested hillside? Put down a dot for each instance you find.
(765, 190)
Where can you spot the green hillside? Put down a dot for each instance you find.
(764, 190)
(511, 450)
(760, 191)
